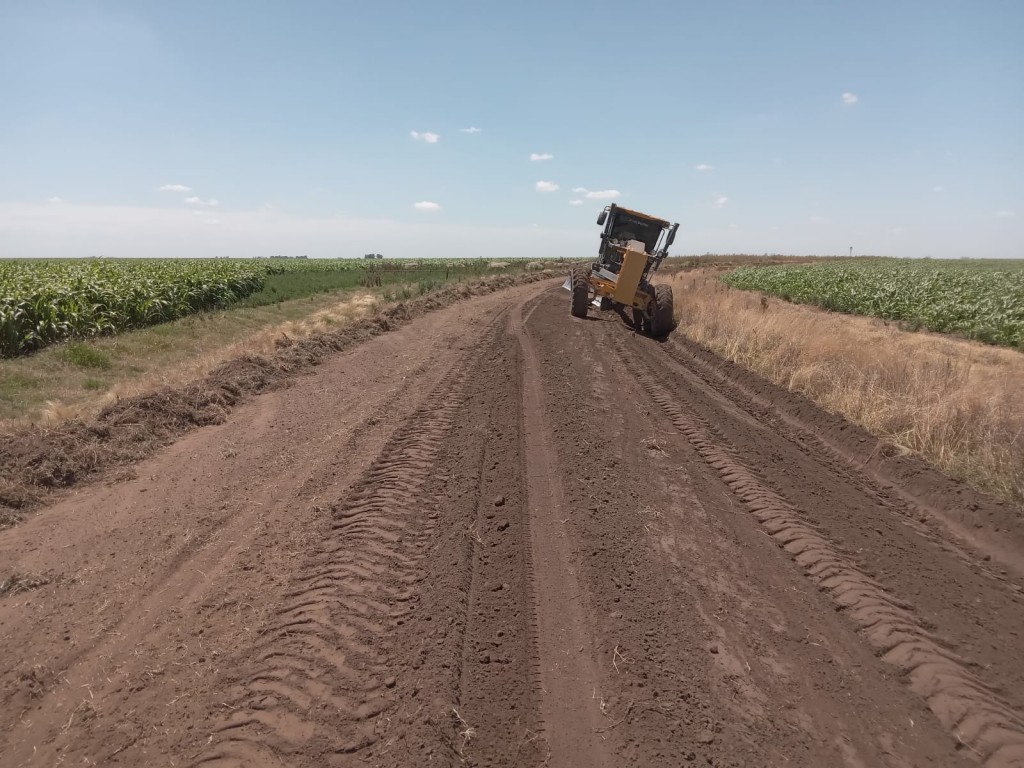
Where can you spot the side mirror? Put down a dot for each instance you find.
(601, 217)
(671, 235)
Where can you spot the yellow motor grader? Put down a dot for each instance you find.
(633, 245)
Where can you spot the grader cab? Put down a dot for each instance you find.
(633, 245)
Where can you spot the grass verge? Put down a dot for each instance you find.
(952, 401)
(73, 379)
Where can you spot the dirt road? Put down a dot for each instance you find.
(501, 537)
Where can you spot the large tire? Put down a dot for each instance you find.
(580, 288)
(663, 320)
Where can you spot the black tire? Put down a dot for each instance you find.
(580, 288)
(663, 320)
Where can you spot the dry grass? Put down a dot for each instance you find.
(17, 583)
(52, 386)
(955, 402)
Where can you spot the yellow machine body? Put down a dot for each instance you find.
(633, 246)
(625, 288)
(633, 263)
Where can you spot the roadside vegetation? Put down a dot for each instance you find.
(43, 302)
(981, 300)
(953, 401)
(302, 298)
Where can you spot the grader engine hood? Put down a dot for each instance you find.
(634, 262)
(620, 287)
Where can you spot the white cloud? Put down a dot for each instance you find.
(199, 201)
(703, 167)
(427, 138)
(850, 98)
(471, 129)
(575, 202)
(937, 189)
(547, 186)
(541, 156)
(426, 205)
(1005, 214)
(55, 200)
(173, 188)
(603, 194)
(580, 190)
(720, 201)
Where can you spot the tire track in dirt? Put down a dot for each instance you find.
(137, 646)
(974, 713)
(496, 713)
(712, 649)
(567, 675)
(321, 674)
(934, 511)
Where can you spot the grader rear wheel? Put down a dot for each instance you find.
(663, 320)
(580, 287)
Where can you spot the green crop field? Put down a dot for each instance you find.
(47, 301)
(981, 300)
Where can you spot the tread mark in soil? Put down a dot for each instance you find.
(320, 667)
(977, 717)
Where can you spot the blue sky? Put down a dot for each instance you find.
(316, 127)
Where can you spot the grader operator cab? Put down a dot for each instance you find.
(633, 245)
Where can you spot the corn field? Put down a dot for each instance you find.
(47, 301)
(980, 300)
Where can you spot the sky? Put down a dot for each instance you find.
(148, 128)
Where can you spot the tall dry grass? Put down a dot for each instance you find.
(959, 404)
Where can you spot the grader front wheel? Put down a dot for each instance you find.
(580, 287)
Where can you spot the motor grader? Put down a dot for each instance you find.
(633, 245)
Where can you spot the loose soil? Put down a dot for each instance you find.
(499, 536)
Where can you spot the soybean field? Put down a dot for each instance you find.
(982, 300)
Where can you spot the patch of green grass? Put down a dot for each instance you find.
(14, 385)
(94, 384)
(84, 356)
(297, 285)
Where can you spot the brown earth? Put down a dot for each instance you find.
(499, 536)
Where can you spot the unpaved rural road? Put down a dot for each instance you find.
(501, 536)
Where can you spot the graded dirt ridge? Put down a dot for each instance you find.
(500, 536)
